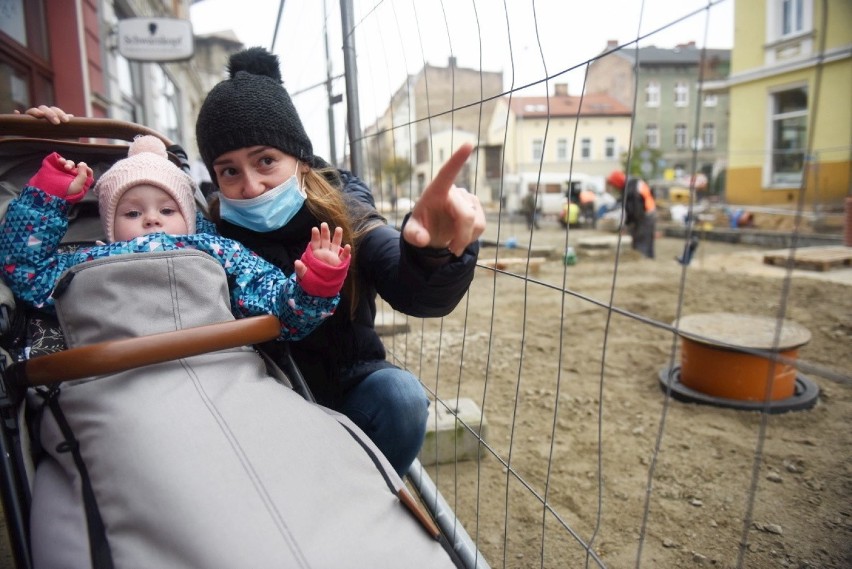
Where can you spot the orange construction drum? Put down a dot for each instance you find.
(729, 355)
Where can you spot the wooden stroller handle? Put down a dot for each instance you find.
(76, 127)
(116, 356)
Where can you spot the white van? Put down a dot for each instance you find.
(552, 189)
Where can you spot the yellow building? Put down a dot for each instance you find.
(791, 102)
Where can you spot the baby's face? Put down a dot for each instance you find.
(147, 209)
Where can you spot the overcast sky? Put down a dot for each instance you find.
(526, 39)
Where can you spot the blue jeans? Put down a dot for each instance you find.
(391, 407)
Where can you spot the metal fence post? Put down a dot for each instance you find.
(350, 70)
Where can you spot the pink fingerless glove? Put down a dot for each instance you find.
(322, 279)
(52, 178)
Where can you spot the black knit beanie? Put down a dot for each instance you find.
(250, 108)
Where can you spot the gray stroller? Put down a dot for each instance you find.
(142, 428)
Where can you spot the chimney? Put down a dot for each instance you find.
(686, 45)
(560, 89)
(611, 44)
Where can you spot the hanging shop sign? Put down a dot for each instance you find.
(155, 39)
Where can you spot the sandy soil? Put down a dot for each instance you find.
(576, 415)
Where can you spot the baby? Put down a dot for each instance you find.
(147, 204)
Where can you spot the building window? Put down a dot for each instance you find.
(493, 162)
(710, 99)
(681, 94)
(537, 147)
(792, 17)
(13, 23)
(652, 94)
(652, 136)
(586, 148)
(708, 135)
(609, 148)
(562, 149)
(680, 136)
(166, 111)
(789, 135)
(15, 88)
(422, 151)
(127, 74)
(25, 78)
(788, 18)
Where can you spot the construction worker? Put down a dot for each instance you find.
(639, 210)
(531, 210)
(587, 200)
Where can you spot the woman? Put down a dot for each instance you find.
(273, 189)
(253, 143)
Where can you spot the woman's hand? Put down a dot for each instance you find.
(53, 115)
(325, 248)
(446, 216)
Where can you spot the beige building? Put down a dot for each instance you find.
(557, 137)
(438, 109)
(434, 111)
(441, 145)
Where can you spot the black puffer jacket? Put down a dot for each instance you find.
(344, 350)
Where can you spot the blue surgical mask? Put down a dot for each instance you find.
(267, 212)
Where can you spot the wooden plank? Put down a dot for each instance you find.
(388, 323)
(811, 258)
(598, 242)
(516, 264)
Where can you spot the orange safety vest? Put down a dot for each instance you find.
(587, 196)
(647, 196)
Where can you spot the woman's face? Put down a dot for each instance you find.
(249, 172)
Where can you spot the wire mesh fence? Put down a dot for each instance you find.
(558, 365)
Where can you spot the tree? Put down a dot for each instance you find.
(397, 169)
(645, 162)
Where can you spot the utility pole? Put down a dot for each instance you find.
(350, 70)
(332, 100)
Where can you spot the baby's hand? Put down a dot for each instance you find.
(327, 248)
(63, 178)
(323, 267)
(83, 174)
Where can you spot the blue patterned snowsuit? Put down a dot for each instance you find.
(36, 222)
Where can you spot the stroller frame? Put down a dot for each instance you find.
(27, 140)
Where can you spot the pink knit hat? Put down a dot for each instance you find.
(147, 163)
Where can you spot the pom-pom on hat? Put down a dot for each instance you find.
(251, 108)
(147, 163)
(617, 179)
